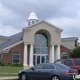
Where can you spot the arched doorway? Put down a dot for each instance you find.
(40, 48)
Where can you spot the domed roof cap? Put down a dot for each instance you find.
(33, 16)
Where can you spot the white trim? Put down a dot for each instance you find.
(67, 46)
(7, 38)
(9, 47)
(65, 39)
(6, 51)
(40, 57)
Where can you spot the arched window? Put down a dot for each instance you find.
(64, 55)
(40, 49)
(16, 57)
(41, 44)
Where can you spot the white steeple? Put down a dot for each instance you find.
(32, 18)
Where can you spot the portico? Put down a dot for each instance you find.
(44, 40)
(50, 57)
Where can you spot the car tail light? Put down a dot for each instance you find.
(66, 72)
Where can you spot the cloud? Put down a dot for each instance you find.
(8, 31)
(63, 13)
(45, 9)
(70, 26)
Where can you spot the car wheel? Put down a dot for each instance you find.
(55, 78)
(24, 76)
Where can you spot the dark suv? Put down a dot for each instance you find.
(72, 63)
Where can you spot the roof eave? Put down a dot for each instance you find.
(67, 46)
(9, 47)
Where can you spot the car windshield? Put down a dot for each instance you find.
(62, 66)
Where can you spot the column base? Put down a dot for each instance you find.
(25, 66)
(31, 65)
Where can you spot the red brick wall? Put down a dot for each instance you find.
(0, 56)
(64, 49)
(7, 57)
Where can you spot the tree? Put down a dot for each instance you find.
(76, 52)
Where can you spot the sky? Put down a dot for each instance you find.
(65, 14)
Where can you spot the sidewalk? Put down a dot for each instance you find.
(9, 78)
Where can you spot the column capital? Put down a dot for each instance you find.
(25, 43)
(31, 43)
(53, 44)
(59, 44)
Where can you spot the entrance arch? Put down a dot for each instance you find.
(40, 48)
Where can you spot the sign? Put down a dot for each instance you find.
(76, 76)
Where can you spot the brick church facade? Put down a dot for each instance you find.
(39, 42)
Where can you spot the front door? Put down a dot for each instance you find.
(38, 58)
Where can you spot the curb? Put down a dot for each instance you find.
(8, 78)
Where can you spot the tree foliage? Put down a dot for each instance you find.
(76, 52)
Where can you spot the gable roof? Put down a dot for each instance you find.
(13, 39)
(4, 37)
(44, 22)
(68, 47)
(69, 38)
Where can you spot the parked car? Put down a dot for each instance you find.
(72, 63)
(47, 71)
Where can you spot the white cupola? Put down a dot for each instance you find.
(32, 19)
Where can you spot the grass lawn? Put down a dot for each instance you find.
(9, 71)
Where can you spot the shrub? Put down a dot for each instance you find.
(15, 65)
(76, 52)
(18, 65)
(0, 61)
(2, 64)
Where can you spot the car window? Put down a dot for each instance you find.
(48, 66)
(68, 62)
(39, 66)
(58, 62)
(77, 62)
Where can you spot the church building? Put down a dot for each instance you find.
(39, 42)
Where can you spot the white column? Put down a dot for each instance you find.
(52, 56)
(58, 52)
(25, 55)
(31, 56)
(55, 53)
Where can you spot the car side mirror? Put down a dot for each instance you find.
(32, 68)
